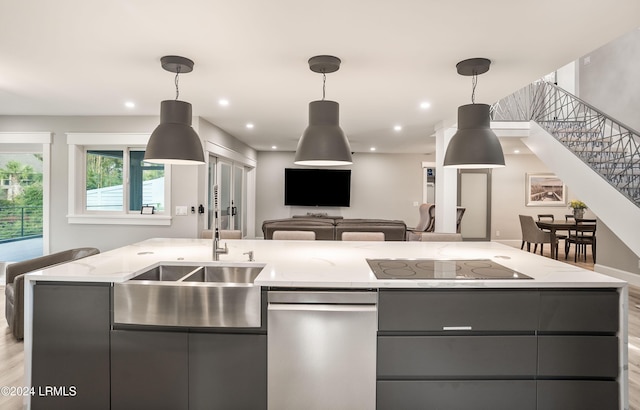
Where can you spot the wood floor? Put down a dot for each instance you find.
(11, 361)
(12, 372)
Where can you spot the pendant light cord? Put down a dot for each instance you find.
(176, 82)
(324, 83)
(474, 83)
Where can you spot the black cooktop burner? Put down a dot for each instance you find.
(441, 269)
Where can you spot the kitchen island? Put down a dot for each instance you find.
(524, 327)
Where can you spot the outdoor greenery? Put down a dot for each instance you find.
(104, 169)
(20, 200)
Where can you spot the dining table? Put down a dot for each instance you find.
(552, 227)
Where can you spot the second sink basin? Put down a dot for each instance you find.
(224, 274)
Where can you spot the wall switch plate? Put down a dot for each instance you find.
(415, 203)
(181, 210)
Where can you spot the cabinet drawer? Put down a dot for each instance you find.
(579, 310)
(449, 395)
(577, 394)
(578, 356)
(476, 310)
(456, 356)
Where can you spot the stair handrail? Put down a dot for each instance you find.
(535, 102)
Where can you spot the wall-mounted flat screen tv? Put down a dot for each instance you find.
(317, 187)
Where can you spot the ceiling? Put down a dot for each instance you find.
(79, 57)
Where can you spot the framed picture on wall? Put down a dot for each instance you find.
(545, 190)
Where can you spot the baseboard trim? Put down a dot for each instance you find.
(631, 278)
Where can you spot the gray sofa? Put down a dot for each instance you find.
(14, 290)
(327, 228)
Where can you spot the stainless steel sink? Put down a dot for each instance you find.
(166, 273)
(224, 274)
(190, 296)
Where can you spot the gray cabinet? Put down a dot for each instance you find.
(456, 356)
(457, 395)
(498, 349)
(149, 370)
(578, 394)
(182, 370)
(71, 345)
(443, 309)
(227, 371)
(578, 349)
(592, 310)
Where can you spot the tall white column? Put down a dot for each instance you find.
(446, 183)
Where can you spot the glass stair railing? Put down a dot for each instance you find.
(607, 146)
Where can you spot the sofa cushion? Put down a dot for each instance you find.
(9, 293)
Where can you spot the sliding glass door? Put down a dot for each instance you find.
(231, 181)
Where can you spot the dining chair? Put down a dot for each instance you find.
(581, 235)
(294, 235)
(427, 219)
(532, 234)
(363, 236)
(551, 218)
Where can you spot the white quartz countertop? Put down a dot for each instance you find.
(325, 264)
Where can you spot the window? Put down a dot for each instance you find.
(105, 173)
(113, 182)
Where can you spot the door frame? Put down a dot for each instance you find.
(26, 142)
(487, 172)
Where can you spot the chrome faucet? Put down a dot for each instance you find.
(216, 248)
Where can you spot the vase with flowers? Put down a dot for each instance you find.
(578, 208)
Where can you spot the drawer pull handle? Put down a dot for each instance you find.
(456, 328)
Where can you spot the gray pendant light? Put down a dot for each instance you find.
(474, 145)
(174, 141)
(323, 143)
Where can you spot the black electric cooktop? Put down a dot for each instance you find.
(441, 269)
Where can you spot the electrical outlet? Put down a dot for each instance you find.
(181, 210)
(497, 233)
(415, 203)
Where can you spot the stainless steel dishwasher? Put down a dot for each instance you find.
(322, 350)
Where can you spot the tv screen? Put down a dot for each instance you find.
(317, 187)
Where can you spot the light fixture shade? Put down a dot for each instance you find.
(174, 141)
(323, 143)
(474, 145)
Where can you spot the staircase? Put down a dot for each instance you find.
(597, 156)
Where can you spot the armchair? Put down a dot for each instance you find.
(14, 290)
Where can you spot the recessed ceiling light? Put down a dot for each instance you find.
(424, 105)
(274, 147)
(223, 102)
(516, 151)
(249, 125)
(130, 104)
(397, 127)
(372, 149)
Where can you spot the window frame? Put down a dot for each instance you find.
(78, 145)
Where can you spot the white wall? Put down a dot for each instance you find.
(608, 78)
(383, 186)
(508, 197)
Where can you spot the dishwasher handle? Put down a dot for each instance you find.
(319, 308)
(324, 297)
